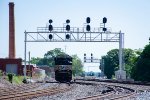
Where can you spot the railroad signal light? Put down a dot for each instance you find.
(104, 20)
(67, 21)
(84, 57)
(88, 28)
(68, 27)
(67, 36)
(91, 54)
(91, 57)
(50, 36)
(88, 20)
(104, 29)
(50, 28)
(50, 21)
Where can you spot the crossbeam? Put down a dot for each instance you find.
(75, 35)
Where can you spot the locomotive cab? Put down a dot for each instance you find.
(63, 68)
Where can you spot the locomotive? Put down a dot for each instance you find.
(63, 68)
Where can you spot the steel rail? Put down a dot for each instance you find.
(33, 94)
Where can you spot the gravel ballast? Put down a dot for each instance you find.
(78, 91)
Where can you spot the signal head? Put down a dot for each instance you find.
(68, 27)
(50, 21)
(104, 29)
(50, 28)
(67, 21)
(88, 20)
(50, 36)
(67, 36)
(88, 28)
(104, 20)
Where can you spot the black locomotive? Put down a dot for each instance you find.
(63, 68)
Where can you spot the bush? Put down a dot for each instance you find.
(10, 77)
(24, 80)
(17, 79)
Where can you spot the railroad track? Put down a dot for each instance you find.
(116, 93)
(109, 96)
(33, 94)
(112, 92)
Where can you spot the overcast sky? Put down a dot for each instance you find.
(132, 17)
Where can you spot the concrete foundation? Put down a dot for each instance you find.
(120, 75)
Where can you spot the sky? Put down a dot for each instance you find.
(129, 16)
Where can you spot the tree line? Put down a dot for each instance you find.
(137, 63)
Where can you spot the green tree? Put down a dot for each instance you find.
(48, 57)
(35, 60)
(141, 72)
(111, 61)
(53, 53)
(130, 57)
(77, 66)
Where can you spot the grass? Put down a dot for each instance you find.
(16, 79)
(0, 73)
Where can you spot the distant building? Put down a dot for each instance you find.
(11, 66)
(29, 70)
(38, 74)
(48, 70)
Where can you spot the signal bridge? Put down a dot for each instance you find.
(59, 34)
(91, 59)
(78, 34)
(94, 60)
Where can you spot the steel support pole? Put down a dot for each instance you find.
(123, 56)
(120, 51)
(25, 55)
(29, 67)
